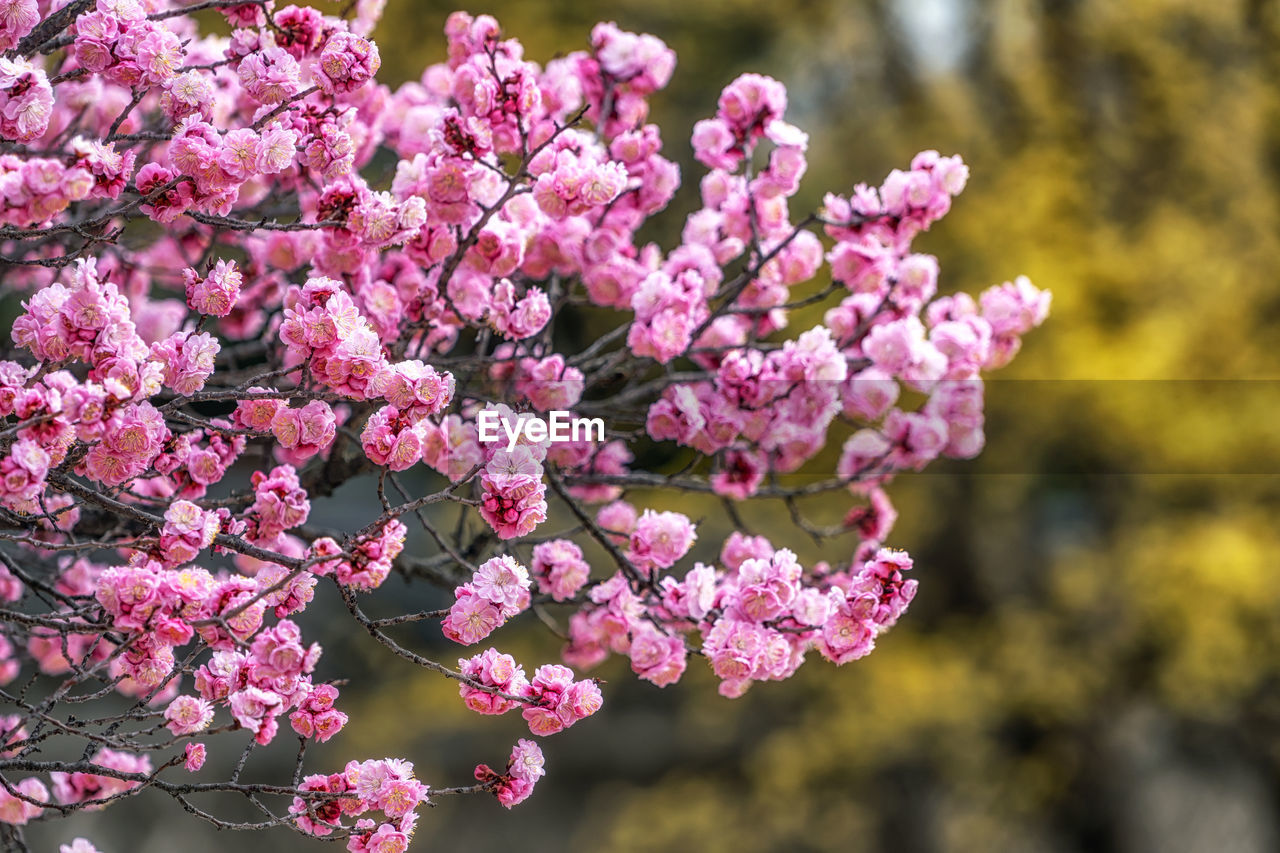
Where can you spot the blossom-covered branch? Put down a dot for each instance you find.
(223, 320)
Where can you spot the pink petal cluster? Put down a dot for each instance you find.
(555, 701)
(524, 769)
(279, 503)
(370, 557)
(416, 388)
(187, 359)
(386, 785)
(502, 677)
(659, 539)
(316, 717)
(393, 439)
(323, 327)
(86, 788)
(187, 531)
(559, 568)
(17, 19)
(20, 806)
(347, 62)
(498, 590)
(26, 100)
(216, 293)
(22, 474)
(514, 497)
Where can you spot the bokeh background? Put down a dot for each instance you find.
(1093, 660)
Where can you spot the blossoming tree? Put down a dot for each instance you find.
(222, 319)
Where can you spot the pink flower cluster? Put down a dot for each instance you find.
(387, 785)
(324, 328)
(316, 717)
(270, 75)
(87, 788)
(660, 539)
(187, 531)
(193, 461)
(26, 100)
(36, 189)
(22, 474)
(118, 40)
(393, 439)
(222, 165)
(551, 701)
(559, 568)
(762, 411)
(279, 503)
(555, 701)
(160, 606)
(636, 65)
(17, 19)
(575, 175)
(347, 62)
(216, 293)
(757, 617)
(88, 320)
(498, 590)
(260, 684)
(524, 769)
(369, 560)
(514, 498)
(300, 432)
(747, 107)
(416, 388)
(188, 360)
(131, 439)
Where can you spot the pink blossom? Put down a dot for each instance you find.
(347, 62)
(17, 18)
(279, 503)
(415, 387)
(524, 768)
(195, 755)
(472, 617)
(79, 845)
(493, 670)
(657, 657)
(559, 568)
(187, 531)
(305, 431)
(79, 787)
(661, 538)
(16, 810)
(393, 439)
(26, 99)
(513, 502)
(188, 715)
(270, 75)
(216, 293)
(504, 582)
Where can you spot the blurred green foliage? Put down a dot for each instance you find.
(1108, 570)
